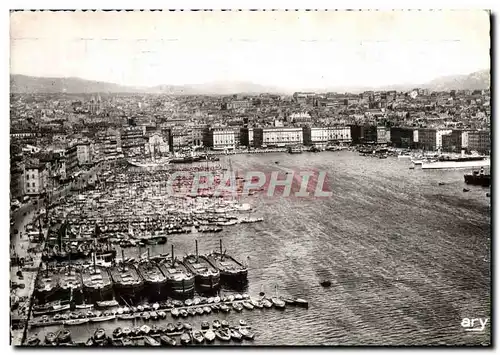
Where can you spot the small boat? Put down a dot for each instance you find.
(207, 310)
(156, 306)
(238, 297)
(243, 322)
(174, 312)
(237, 307)
(205, 325)
(215, 307)
(127, 342)
(326, 283)
(266, 303)
(188, 302)
(76, 321)
(140, 308)
(162, 315)
(84, 306)
(223, 335)
(89, 342)
(216, 323)
(441, 183)
(154, 330)
(225, 308)
(103, 318)
(50, 338)
(99, 334)
(278, 303)
(33, 340)
(126, 331)
(187, 326)
(198, 337)
(465, 190)
(170, 328)
(64, 336)
(192, 311)
(216, 299)
(246, 296)
(107, 304)
(247, 334)
(225, 324)
(210, 300)
(183, 313)
(166, 340)
(154, 315)
(210, 335)
(247, 305)
(117, 332)
(288, 301)
(230, 298)
(199, 311)
(256, 303)
(136, 331)
(125, 316)
(235, 335)
(185, 338)
(150, 341)
(301, 302)
(145, 329)
(196, 301)
(179, 326)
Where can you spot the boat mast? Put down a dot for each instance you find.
(220, 246)
(196, 246)
(173, 259)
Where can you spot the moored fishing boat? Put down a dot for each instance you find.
(126, 280)
(209, 335)
(46, 286)
(223, 335)
(166, 340)
(207, 276)
(180, 280)
(150, 341)
(231, 270)
(97, 283)
(155, 282)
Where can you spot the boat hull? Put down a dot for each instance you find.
(480, 180)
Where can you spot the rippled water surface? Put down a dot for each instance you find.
(407, 259)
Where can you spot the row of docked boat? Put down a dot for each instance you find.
(175, 308)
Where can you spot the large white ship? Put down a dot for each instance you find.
(458, 163)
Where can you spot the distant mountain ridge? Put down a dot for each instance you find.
(479, 80)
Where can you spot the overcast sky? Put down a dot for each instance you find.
(283, 49)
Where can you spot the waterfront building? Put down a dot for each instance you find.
(403, 137)
(427, 139)
(277, 136)
(221, 138)
(133, 141)
(321, 136)
(452, 142)
(479, 141)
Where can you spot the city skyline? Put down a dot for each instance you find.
(306, 50)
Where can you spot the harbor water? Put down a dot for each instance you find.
(408, 257)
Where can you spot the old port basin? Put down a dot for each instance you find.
(109, 258)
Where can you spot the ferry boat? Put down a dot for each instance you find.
(207, 276)
(231, 270)
(46, 286)
(180, 281)
(126, 280)
(155, 282)
(458, 163)
(97, 283)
